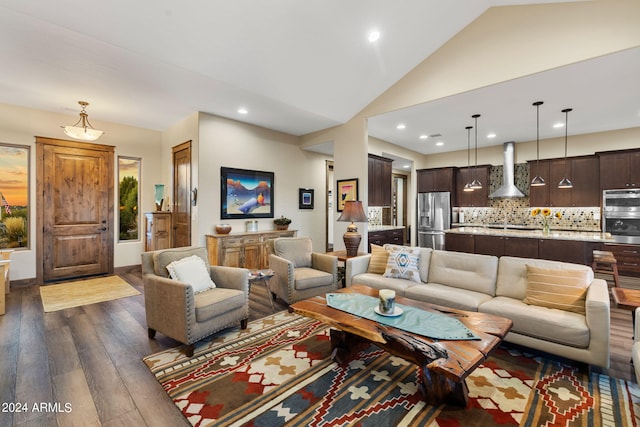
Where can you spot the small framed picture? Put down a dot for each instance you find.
(347, 190)
(305, 198)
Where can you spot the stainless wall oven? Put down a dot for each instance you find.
(621, 214)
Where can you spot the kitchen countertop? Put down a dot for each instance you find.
(384, 227)
(585, 236)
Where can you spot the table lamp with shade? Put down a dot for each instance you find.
(352, 212)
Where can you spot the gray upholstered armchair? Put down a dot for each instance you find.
(174, 309)
(299, 272)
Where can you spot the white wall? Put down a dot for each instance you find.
(225, 142)
(19, 125)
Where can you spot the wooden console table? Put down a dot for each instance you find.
(246, 250)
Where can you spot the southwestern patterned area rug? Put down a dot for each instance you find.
(279, 372)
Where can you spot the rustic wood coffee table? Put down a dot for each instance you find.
(444, 364)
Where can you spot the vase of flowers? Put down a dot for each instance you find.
(546, 215)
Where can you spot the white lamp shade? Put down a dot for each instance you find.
(87, 133)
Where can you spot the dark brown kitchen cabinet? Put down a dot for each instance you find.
(539, 196)
(558, 169)
(459, 242)
(438, 179)
(584, 173)
(381, 237)
(521, 247)
(619, 169)
(380, 181)
(506, 246)
(628, 257)
(573, 251)
(475, 198)
(489, 245)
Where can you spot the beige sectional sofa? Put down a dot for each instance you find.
(498, 286)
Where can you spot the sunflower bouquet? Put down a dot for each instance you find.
(546, 215)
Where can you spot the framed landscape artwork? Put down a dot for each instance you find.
(347, 190)
(305, 198)
(246, 193)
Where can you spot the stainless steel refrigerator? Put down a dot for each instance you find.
(434, 217)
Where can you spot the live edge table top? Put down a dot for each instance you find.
(463, 355)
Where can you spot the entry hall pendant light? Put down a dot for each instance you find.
(565, 182)
(537, 180)
(85, 131)
(467, 186)
(476, 184)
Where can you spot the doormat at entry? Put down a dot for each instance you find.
(84, 292)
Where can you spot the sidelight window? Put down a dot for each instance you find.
(129, 198)
(14, 196)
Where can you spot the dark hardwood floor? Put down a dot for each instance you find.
(83, 366)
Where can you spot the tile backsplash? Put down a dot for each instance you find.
(511, 211)
(375, 215)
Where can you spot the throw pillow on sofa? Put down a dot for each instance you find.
(561, 289)
(403, 263)
(192, 271)
(378, 261)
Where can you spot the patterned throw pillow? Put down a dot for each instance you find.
(561, 289)
(378, 261)
(403, 263)
(193, 271)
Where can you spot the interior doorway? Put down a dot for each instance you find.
(329, 216)
(399, 203)
(183, 196)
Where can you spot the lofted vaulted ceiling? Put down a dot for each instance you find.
(295, 66)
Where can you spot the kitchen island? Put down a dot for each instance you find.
(558, 245)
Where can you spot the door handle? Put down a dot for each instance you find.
(104, 229)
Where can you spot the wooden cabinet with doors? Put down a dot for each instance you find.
(395, 236)
(539, 195)
(459, 242)
(246, 250)
(619, 169)
(380, 170)
(438, 179)
(475, 198)
(627, 257)
(506, 245)
(584, 173)
(158, 230)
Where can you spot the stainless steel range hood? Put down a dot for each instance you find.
(508, 188)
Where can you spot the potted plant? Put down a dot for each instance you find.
(282, 223)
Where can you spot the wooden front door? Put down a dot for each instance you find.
(75, 209)
(182, 195)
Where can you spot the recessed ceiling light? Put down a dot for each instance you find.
(491, 135)
(439, 143)
(407, 166)
(401, 126)
(558, 125)
(374, 36)
(243, 110)
(424, 136)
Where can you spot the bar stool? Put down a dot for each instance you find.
(604, 262)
